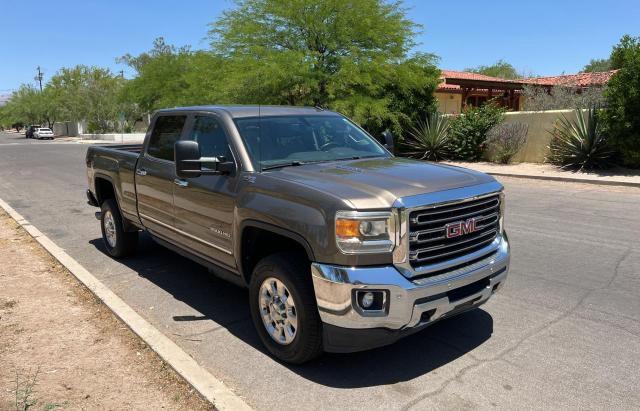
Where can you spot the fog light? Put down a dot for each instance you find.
(367, 300)
(371, 301)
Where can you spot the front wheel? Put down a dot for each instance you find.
(119, 243)
(284, 310)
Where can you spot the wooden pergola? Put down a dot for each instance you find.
(503, 88)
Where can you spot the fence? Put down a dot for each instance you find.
(538, 138)
(79, 128)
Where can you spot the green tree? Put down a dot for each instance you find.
(7, 118)
(69, 85)
(597, 65)
(160, 76)
(622, 116)
(102, 90)
(26, 105)
(500, 69)
(349, 56)
(88, 93)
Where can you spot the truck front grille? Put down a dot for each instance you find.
(428, 242)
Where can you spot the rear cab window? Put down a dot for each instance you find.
(166, 132)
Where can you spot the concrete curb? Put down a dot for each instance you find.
(567, 179)
(204, 382)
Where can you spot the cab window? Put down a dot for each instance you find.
(165, 133)
(211, 138)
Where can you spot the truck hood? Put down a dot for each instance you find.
(378, 182)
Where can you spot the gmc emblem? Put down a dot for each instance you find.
(459, 228)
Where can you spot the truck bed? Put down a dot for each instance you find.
(116, 164)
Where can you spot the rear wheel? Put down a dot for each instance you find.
(119, 243)
(284, 310)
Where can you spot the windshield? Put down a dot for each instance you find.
(301, 139)
(44, 129)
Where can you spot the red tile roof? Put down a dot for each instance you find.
(575, 80)
(465, 75)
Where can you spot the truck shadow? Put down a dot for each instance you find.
(226, 305)
(409, 358)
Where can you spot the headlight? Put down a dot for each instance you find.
(501, 222)
(359, 232)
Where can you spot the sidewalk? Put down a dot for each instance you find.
(60, 348)
(616, 176)
(80, 140)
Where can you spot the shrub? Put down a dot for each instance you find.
(505, 140)
(428, 139)
(468, 131)
(580, 145)
(622, 117)
(565, 96)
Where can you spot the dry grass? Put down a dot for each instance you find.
(61, 348)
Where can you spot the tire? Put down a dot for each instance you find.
(294, 274)
(119, 243)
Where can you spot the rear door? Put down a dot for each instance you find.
(204, 206)
(155, 175)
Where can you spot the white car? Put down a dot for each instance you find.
(43, 132)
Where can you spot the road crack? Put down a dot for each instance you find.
(463, 371)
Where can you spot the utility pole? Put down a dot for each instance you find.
(122, 73)
(39, 78)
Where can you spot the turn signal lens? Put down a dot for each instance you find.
(347, 228)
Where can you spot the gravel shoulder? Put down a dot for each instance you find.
(60, 348)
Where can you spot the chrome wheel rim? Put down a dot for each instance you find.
(109, 229)
(278, 311)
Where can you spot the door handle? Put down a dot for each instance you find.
(141, 172)
(181, 183)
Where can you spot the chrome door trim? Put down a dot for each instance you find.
(180, 182)
(217, 247)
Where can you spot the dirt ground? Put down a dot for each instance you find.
(60, 348)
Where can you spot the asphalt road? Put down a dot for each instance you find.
(563, 332)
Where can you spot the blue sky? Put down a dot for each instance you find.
(539, 37)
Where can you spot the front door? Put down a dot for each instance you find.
(155, 175)
(204, 206)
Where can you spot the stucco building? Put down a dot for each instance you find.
(459, 89)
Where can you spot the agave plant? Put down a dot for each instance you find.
(429, 139)
(580, 144)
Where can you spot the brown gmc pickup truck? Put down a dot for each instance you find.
(343, 246)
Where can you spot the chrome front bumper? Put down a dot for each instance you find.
(409, 303)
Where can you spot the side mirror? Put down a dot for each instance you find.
(187, 159)
(388, 140)
(189, 163)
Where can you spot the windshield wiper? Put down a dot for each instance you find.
(355, 158)
(299, 163)
(280, 165)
